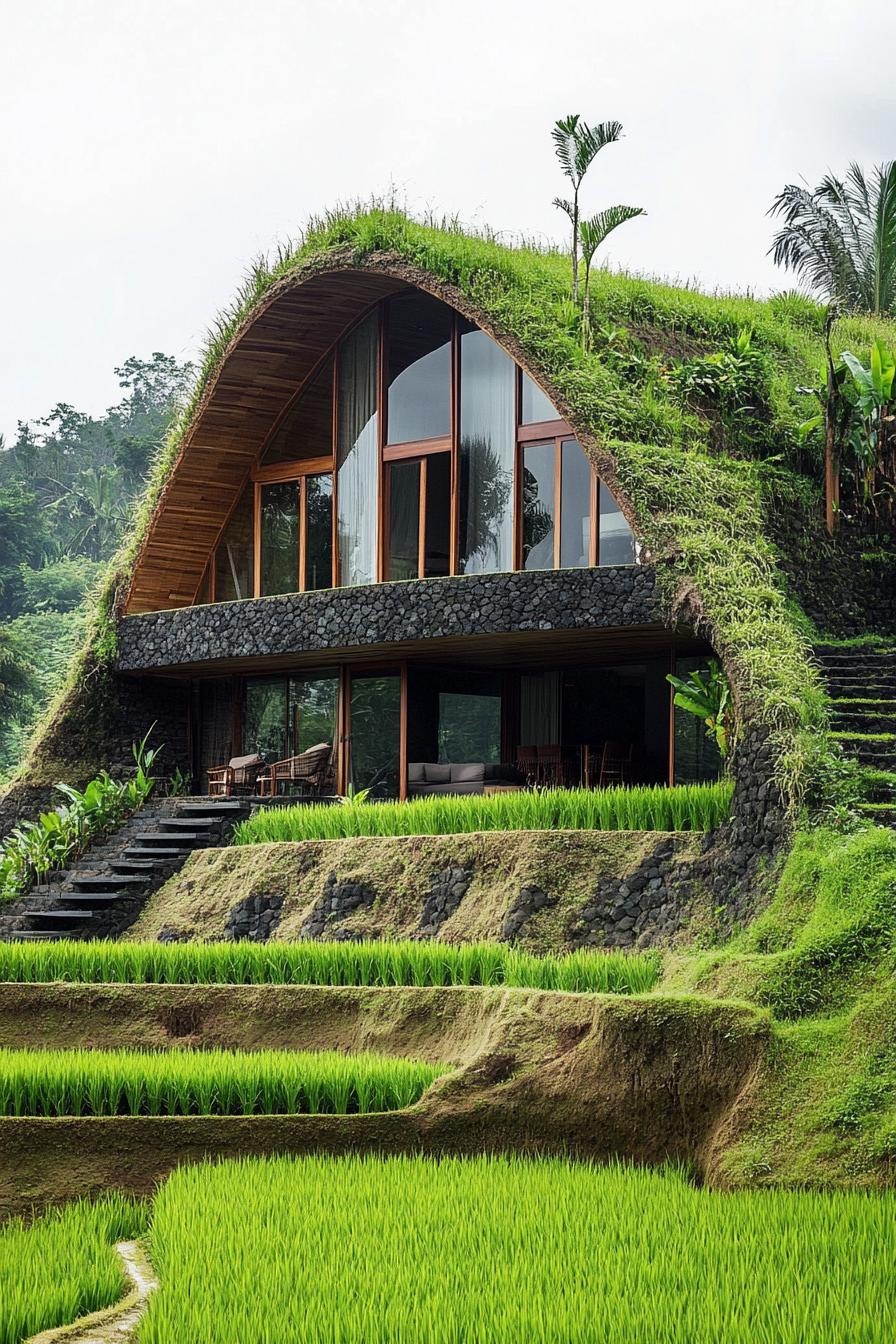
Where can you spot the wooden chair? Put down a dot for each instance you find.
(550, 765)
(527, 763)
(238, 776)
(306, 773)
(615, 764)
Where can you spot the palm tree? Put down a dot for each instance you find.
(576, 145)
(841, 237)
(592, 232)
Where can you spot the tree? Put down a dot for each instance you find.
(593, 231)
(576, 145)
(841, 237)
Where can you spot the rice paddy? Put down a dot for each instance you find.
(318, 963)
(64, 1265)
(510, 1251)
(686, 807)
(206, 1082)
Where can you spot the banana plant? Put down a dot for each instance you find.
(708, 696)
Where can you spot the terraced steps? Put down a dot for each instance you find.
(106, 890)
(862, 684)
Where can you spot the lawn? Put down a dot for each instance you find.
(417, 1251)
(686, 807)
(316, 963)
(206, 1082)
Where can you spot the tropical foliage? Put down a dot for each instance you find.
(321, 963)
(708, 695)
(34, 849)
(840, 237)
(576, 145)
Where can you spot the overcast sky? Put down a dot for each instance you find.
(150, 148)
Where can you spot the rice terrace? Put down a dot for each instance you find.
(448, 822)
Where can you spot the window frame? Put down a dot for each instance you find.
(558, 434)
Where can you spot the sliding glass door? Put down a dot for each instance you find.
(419, 517)
(284, 716)
(374, 733)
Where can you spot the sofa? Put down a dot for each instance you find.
(429, 778)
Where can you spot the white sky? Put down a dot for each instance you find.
(150, 148)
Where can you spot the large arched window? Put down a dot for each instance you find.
(416, 449)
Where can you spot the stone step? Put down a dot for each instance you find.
(166, 837)
(210, 809)
(103, 881)
(96, 898)
(848, 721)
(159, 853)
(69, 916)
(137, 866)
(187, 824)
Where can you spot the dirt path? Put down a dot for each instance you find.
(114, 1325)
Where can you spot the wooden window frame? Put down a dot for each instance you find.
(558, 440)
(286, 473)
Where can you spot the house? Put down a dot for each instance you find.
(382, 532)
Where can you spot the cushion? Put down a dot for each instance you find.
(467, 773)
(436, 774)
(415, 772)
(246, 762)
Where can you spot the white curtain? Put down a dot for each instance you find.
(487, 409)
(357, 456)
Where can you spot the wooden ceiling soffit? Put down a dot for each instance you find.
(266, 364)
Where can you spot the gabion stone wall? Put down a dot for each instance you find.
(390, 613)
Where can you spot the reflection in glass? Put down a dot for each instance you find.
(404, 520)
(313, 703)
(575, 506)
(469, 727)
(375, 741)
(437, 558)
(419, 370)
(307, 428)
(234, 559)
(538, 506)
(357, 455)
(318, 532)
(279, 538)
(615, 540)
(697, 756)
(264, 719)
(486, 455)
(535, 407)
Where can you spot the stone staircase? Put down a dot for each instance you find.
(862, 685)
(109, 885)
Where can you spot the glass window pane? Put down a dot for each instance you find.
(419, 372)
(437, 561)
(313, 711)
(486, 455)
(375, 716)
(306, 429)
(404, 520)
(469, 728)
(264, 719)
(535, 406)
(279, 538)
(538, 506)
(616, 545)
(234, 557)
(318, 532)
(575, 506)
(697, 756)
(357, 454)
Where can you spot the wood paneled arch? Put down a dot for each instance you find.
(272, 354)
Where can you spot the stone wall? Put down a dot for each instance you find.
(390, 613)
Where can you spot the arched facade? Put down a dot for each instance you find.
(382, 535)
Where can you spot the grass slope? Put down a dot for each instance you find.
(508, 1250)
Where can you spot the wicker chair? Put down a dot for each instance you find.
(309, 771)
(238, 776)
(616, 764)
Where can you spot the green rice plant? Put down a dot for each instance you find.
(63, 1265)
(507, 1250)
(206, 1082)
(317, 963)
(686, 807)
